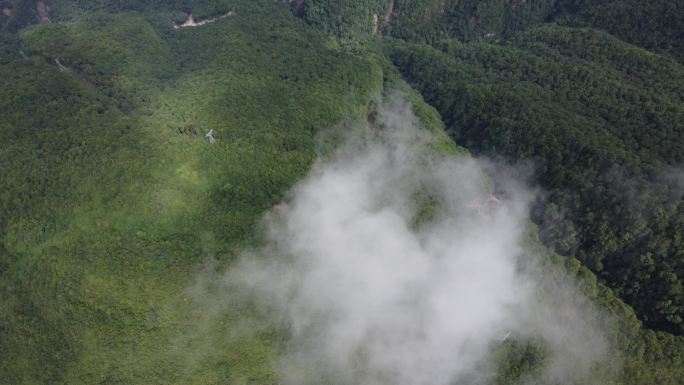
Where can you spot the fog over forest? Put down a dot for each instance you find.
(324, 192)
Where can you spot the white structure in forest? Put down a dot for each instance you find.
(210, 136)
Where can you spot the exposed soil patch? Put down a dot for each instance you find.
(191, 22)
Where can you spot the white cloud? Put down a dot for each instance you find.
(370, 297)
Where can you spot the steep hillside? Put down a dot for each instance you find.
(599, 117)
(602, 122)
(139, 161)
(654, 25)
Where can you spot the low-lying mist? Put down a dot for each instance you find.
(393, 264)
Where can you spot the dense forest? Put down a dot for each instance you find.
(653, 25)
(112, 199)
(604, 142)
(600, 118)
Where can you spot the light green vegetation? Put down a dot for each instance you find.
(112, 198)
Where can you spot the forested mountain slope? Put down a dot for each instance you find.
(655, 25)
(600, 118)
(112, 197)
(114, 205)
(604, 142)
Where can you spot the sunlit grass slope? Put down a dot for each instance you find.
(112, 197)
